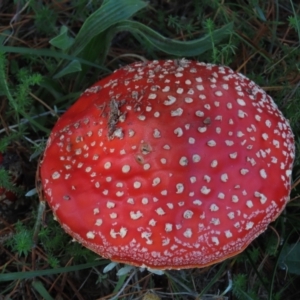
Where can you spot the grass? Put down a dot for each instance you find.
(50, 51)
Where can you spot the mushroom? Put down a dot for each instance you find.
(169, 164)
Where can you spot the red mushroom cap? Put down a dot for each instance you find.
(169, 164)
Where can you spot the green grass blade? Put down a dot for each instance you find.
(119, 283)
(96, 50)
(39, 287)
(110, 13)
(72, 67)
(214, 279)
(173, 47)
(32, 274)
(290, 258)
(49, 53)
(62, 41)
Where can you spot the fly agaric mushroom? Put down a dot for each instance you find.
(169, 164)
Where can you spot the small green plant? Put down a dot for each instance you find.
(52, 237)
(54, 262)
(22, 102)
(21, 241)
(240, 290)
(182, 25)
(45, 18)
(209, 25)
(18, 95)
(294, 20)
(6, 182)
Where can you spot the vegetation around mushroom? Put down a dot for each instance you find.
(51, 52)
